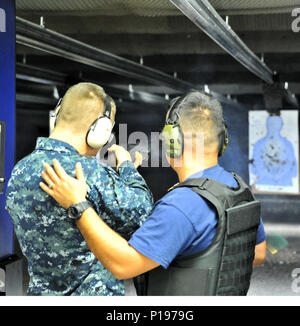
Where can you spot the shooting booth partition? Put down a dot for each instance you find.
(10, 264)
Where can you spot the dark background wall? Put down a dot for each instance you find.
(150, 118)
(147, 118)
(236, 156)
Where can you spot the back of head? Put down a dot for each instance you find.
(201, 113)
(81, 106)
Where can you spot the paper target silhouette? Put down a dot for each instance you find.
(273, 154)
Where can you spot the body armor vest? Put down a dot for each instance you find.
(225, 267)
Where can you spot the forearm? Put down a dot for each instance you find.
(260, 254)
(110, 249)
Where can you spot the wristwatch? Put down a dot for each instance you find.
(75, 211)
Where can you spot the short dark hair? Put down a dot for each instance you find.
(200, 112)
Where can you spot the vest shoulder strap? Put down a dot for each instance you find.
(199, 185)
(217, 193)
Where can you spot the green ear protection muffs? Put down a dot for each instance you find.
(172, 134)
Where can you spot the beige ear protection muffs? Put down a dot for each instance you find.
(100, 130)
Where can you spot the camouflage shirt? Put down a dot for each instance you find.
(59, 260)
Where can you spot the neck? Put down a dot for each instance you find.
(274, 133)
(188, 169)
(75, 140)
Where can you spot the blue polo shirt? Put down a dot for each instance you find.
(182, 223)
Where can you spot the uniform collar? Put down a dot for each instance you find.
(200, 174)
(203, 173)
(49, 144)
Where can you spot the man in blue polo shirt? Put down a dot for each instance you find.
(182, 223)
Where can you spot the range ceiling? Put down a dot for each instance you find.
(152, 7)
(157, 33)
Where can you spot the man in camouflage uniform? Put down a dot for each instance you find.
(59, 260)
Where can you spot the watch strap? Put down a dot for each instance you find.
(80, 208)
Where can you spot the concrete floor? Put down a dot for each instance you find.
(274, 277)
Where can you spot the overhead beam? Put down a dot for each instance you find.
(43, 39)
(40, 76)
(40, 38)
(203, 15)
(196, 43)
(22, 98)
(47, 77)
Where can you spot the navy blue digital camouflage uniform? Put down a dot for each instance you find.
(59, 260)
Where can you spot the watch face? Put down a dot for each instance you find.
(73, 212)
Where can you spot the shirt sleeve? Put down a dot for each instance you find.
(164, 235)
(261, 235)
(124, 199)
(129, 174)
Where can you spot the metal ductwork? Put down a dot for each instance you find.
(203, 15)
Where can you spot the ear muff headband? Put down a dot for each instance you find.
(107, 106)
(172, 133)
(54, 115)
(99, 132)
(224, 140)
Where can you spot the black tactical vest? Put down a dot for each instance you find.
(225, 267)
